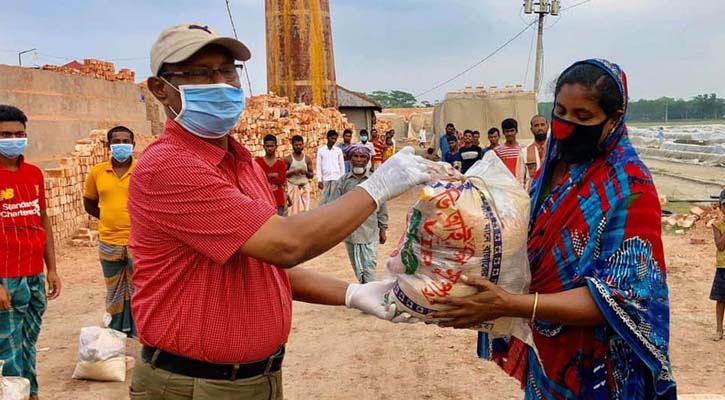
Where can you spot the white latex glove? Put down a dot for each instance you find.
(403, 317)
(395, 176)
(370, 299)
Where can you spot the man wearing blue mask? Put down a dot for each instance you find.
(106, 198)
(364, 136)
(212, 259)
(26, 240)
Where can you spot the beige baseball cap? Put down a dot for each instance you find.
(177, 43)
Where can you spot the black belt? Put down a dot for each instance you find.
(204, 370)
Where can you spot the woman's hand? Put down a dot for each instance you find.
(489, 303)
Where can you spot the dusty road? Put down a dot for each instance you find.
(334, 353)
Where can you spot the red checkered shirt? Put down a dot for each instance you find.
(192, 207)
(22, 237)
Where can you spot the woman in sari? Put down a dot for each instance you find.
(599, 307)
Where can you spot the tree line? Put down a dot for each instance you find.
(700, 107)
(703, 106)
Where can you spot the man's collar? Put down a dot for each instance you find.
(204, 149)
(109, 168)
(21, 161)
(352, 174)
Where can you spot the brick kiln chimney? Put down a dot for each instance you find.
(300, 59)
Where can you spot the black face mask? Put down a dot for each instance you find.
(539, 137)
(577, 143)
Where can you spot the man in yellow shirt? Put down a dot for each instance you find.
(106, 198)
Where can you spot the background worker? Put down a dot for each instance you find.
(378, 148)
(106, 198)
(330, 166)
(276, 172)
(365, 142)
(362, 245)
(470, 153)
(299, 173)
(534, 153)
(510, 151)
(346, 142)
(27, 243)
(445, 139)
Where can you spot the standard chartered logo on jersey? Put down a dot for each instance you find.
(24, 209)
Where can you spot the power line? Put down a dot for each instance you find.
(128, 59)
(52, 57)
(567, 8)
(234, 29)
(576, 5)
(478, 62)
(528, 60)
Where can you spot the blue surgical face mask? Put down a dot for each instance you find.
(13, 147)
(209, 111)
(364, 138)
(121, 152)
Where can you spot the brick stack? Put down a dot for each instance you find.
(154, 110)
(383, 126)
(125, 75)
(697, 215)
(85, 237)
(99, 69)
(271, 114)
(64, 185)
(62, 70)
(95, 69)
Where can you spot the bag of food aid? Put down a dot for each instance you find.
(473, 225)
(13, 387)
(101, 354)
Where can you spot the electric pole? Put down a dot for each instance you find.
(542, 7)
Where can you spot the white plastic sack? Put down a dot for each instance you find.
(474, 225)
(101, 355)
(13, 387)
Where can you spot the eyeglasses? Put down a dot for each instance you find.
(229, 72)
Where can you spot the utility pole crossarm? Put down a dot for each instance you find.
(542, 7)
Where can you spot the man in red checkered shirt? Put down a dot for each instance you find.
(26, 245)
(214, 287)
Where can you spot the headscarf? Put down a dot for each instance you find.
(357, 149)
(599, 228)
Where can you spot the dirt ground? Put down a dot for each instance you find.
(335, 353)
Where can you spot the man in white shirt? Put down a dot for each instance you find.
(330, 166)
(534, 153)
(422, 138)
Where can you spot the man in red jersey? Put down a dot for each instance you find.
(26, 244)
(510, 151)
(213, 262)
(276, 171)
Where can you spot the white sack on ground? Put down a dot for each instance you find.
(474, 225)
(101, 355)
(13, 387)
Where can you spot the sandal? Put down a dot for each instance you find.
(718, 336)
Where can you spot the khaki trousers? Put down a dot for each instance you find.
(157, 384)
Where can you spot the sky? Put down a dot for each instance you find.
(667, 47)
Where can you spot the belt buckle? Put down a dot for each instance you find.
(271, 360)
(235, 371)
